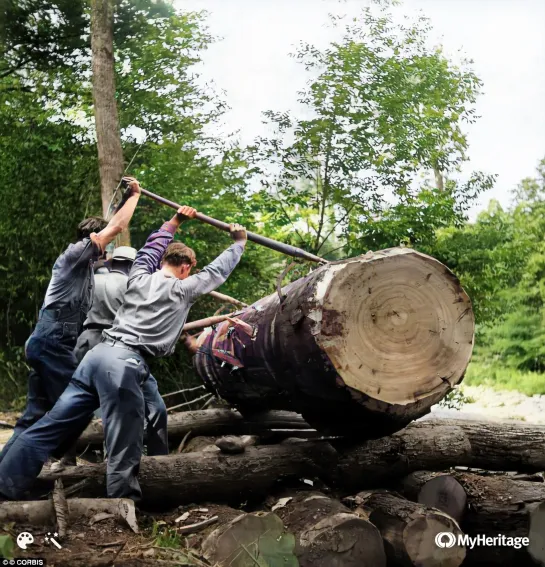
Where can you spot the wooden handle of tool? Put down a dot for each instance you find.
(257, 238)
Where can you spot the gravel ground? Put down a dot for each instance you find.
(497, 404)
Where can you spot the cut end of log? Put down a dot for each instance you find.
(396, 324)
(342, 539)
(420, 535)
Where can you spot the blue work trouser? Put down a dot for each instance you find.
(49, 352)
(110, 377)
(155, 408)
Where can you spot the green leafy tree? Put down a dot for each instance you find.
(382, 110)
(49, 172)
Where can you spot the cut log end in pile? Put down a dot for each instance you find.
(333, 502)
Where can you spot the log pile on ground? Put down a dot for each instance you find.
(330, 501)
(360, 349)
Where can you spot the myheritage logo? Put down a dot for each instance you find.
(445, 539)
(448, 539)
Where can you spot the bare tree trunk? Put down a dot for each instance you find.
(110, 152)
(439, 181)
(218, 422)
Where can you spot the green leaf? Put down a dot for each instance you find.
(6, 547)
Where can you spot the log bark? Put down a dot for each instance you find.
(110, 152)
(437, 444)
(328, 533)
(409, 530)
(359, 347)
(42, 512)
(203, 476)
(215, 422)
(497, 506)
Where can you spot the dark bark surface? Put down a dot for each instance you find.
(203, 476)
(216, 422)
(437, 444)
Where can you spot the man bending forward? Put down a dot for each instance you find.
(149, 323)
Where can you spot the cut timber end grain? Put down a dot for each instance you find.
(327, 533)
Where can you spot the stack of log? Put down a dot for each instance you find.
(360, 350)
(331, 501)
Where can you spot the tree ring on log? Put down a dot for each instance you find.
(397, 326)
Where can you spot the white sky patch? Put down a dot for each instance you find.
(505, 38)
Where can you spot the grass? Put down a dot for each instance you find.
(504, 378)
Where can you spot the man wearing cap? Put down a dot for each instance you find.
(148, 324)
(50, 349)
(110, 287)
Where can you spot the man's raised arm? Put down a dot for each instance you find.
(120, 221)
(215, 274)
(148, 259)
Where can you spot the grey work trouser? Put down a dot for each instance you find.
(155, 408)
(110, 377)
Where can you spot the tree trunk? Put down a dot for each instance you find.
(437, 444)
(497, 506)
(110, 152)
(328, 533)
(409, 531)
(359, 347)
(214, 422)
(204, 476)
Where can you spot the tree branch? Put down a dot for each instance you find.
(325, 193)
(334, 227)
(9, 71)
(290, 221)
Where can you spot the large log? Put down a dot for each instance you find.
(204, 476)
(361, 346)
(328, 533)
(410, 530)
(497, 506)
(214, 422)
(437, 444)
(426, 445)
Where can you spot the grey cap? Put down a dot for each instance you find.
(124, 253)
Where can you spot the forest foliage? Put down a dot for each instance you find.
(374, 161)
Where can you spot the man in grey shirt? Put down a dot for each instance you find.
(110, 288)
(50, 348)
(149, 323)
